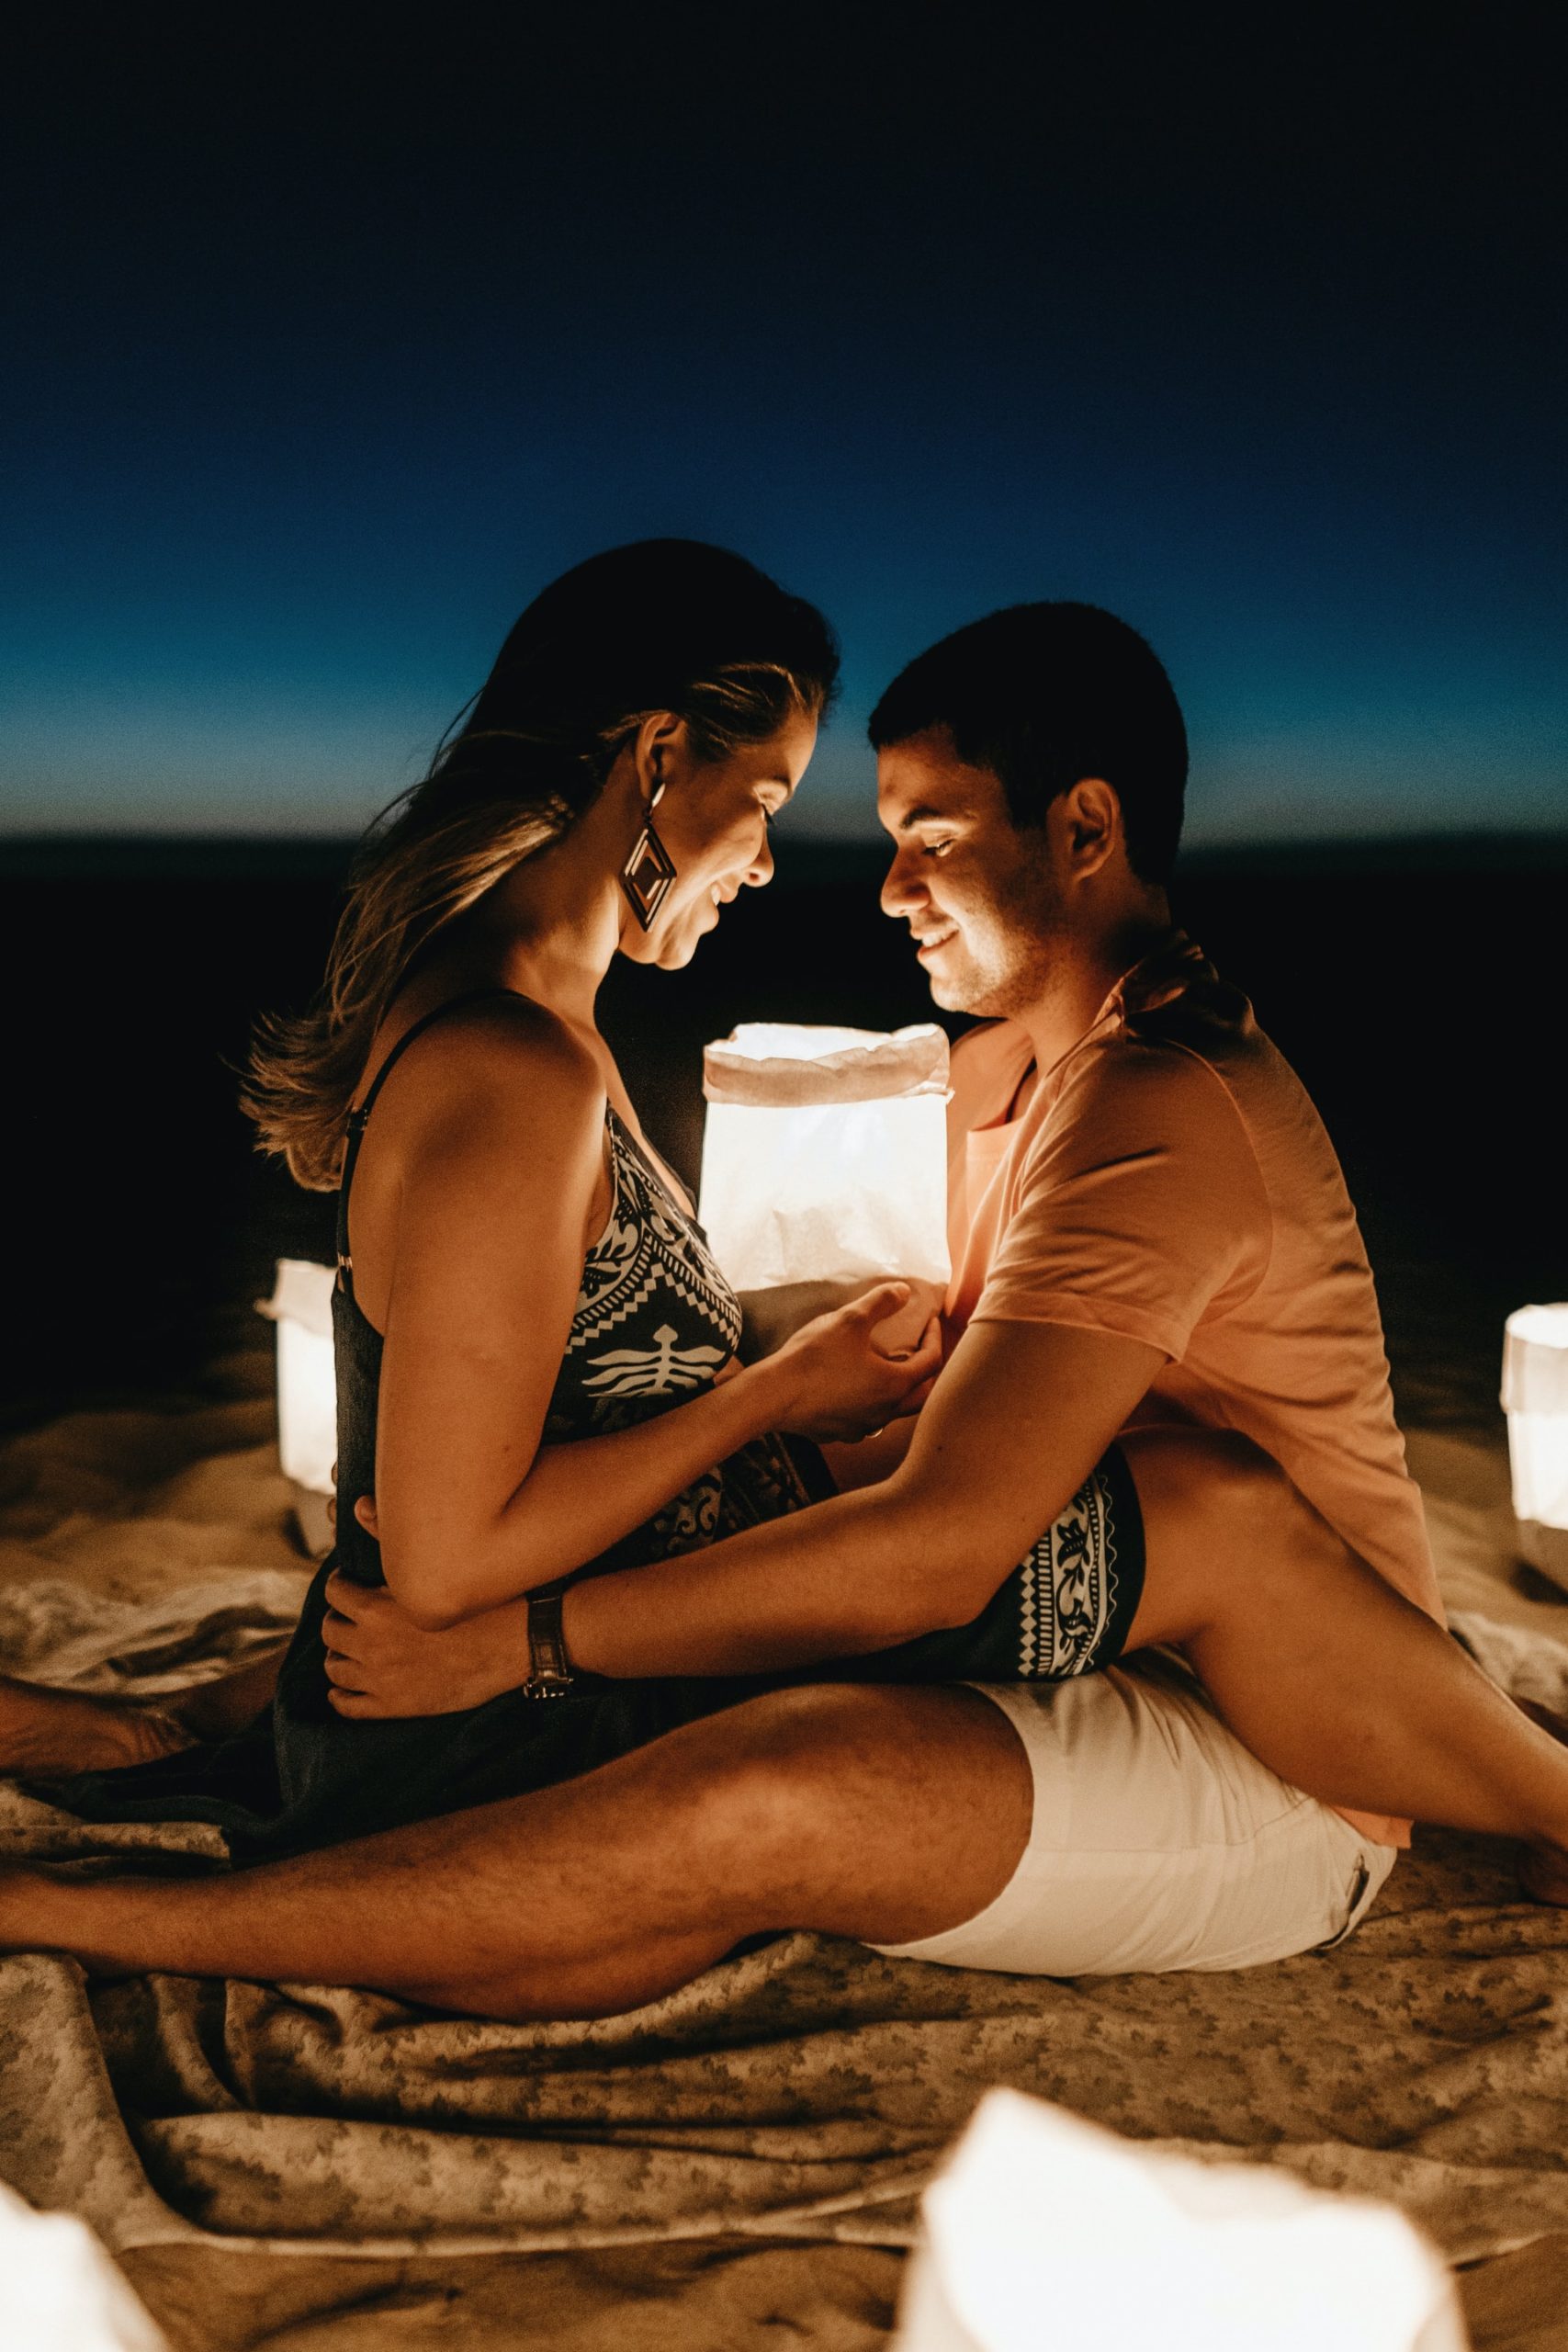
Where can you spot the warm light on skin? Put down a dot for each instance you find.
(713, 818)
(980, 898)
(1030, 923)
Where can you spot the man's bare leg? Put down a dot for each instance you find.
(882, 1814)
(1330, 1677)
(43, 1730)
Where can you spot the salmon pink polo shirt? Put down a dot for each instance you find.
(1170, 1180)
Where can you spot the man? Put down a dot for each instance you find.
(1151, 1245)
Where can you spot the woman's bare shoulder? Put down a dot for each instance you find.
(502, 1058)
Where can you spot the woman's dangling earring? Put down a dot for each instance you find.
(649, 870)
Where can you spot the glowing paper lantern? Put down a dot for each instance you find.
(1046, 2230)
(823, 1165)
(302, 1306)
(1535, 1397)
(59, 2291)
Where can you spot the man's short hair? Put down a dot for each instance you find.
(1043, 695)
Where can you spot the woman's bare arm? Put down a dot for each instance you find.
(500, 1164)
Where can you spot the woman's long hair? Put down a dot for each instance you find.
(664, 625)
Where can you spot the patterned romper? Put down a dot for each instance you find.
(655, 1324)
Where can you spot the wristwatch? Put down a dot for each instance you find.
(549, 1669)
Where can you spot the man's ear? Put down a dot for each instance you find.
(1089, 816)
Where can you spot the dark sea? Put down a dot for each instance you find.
(1419, 988)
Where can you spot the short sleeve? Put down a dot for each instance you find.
(1140, 1207)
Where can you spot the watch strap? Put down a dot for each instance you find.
(549, 1668)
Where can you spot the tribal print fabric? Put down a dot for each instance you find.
(1066, 1608)
(1069, 1588)
(656, 1323)
(655, 1319)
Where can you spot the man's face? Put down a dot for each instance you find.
(978, 895)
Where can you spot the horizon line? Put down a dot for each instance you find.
(37, 853)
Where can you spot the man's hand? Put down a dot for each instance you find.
(848, 1374)
(381, 1664)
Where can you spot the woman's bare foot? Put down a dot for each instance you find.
(44, 1731)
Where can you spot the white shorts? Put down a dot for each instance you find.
(1159, 1841)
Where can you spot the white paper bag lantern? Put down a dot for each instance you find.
(1535, 1397)
(302, 1306)
(823, 1165)
(59, 2291)
(1046, 2230)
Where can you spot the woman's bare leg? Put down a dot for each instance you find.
(885, 1814)
(1330, 1677)
(44, 1731)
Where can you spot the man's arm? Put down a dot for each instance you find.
(1013, 1427)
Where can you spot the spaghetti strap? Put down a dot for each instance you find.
(453, 1004)
(357, 1119)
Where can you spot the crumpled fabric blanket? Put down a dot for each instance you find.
(754, 2144)
(801, 2091)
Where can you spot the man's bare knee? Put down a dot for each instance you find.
(767, 1792)
(824, 1749)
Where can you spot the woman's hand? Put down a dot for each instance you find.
(381, 1663)
(850, 1373)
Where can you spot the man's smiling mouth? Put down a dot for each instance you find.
(927, 942)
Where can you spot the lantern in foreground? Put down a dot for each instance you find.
(302, 1306)
(824, 1166)
(1535, 1397)
(59, 2289)
(1046, 2228)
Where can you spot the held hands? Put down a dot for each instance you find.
(380, 1663)
(850, 1373)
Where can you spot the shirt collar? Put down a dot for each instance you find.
(1172, 966)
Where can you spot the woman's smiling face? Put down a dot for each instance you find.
(713, 819)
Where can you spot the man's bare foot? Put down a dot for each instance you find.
(44, 1732)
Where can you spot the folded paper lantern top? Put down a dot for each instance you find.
(824, 1163)
(303, 1293)
(777, 1063)
(1535, 1397)
(1535, 1359)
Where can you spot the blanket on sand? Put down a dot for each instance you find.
(800, 2092)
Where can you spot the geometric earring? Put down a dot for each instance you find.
(648, 874)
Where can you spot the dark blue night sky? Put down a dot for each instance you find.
(324, 357)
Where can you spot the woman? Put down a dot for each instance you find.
(481, 923)
(535, 1357)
